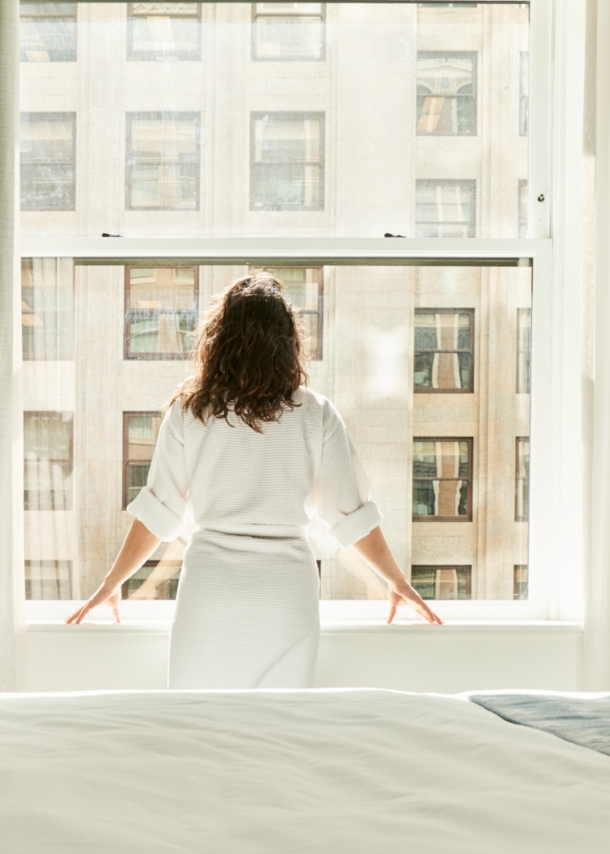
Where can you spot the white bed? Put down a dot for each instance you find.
(281, 772)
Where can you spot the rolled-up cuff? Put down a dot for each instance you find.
(358, 524)
(156, 516)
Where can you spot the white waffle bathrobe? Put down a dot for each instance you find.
(247, 613)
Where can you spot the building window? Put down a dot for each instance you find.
(48, 460)
(442, 480)
(520, 581)
(522, 477)
(524, 93)
(524, 350)
(444, 350)
(156, 579)
(523, 209)
(47, 32)
(442, 582)
(287, 161)
(446, 93)
(158, 31)
(140, 431)
(48, 161)
(285, 31)
(305, 289)
(161, 308)
(162, 161)
(47, 310)
(48, 579)
(445, 208)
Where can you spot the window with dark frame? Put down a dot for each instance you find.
(156, 579)
(442, 479)
(140, 433)
(288, 31)
(443, 359)
(163, 31)
(446, 93)
(522, 224)
(445, 208)
(442, 582)
(287, 161)
(47, 312)
(524, 350)
(48, 450)
(162, 169)
(49, 579)
(305, 289)
(520, 581)
(161, 312)
(522, 479)
(48, 161)
(523, 93)
(48, 32)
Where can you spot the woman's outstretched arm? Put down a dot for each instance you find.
(138, 546)
(375, 551)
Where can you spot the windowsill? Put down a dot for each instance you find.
(332, 627)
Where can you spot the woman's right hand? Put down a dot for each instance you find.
(103, 596)
(401, 593)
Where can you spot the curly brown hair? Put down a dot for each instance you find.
(248, 356)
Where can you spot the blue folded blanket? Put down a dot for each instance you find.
(581, 718)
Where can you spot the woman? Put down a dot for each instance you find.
(246, 455)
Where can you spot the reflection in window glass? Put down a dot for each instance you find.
(284, 31)
(522, 486)
(47, 309)
(164, 31)
(442, 582)
(48, 32)
(520, 582)
(287, 171)
(162, 170)
(160, 312)
(304, 288)
(140, 432)
(524, 349)
(444, 341)
(445, 208)
(48, 460)
(446, 93)
(157, 579)
(48, 579)
(48, 161)
(441, 479)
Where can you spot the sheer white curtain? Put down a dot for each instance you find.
(597, 618)
(11, 584)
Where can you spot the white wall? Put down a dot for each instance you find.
(411, 658)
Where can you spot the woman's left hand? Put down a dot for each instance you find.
(403, 594)
(102, 596)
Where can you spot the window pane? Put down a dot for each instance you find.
(157, 579)
(47, 309)
(161, 306)
(140, 437)
(48, 443)
(522, 500)
(442, 582)
(48, 32)
(520, 583)
(234, 119)
(452, 334)
(524, 349)
(48, 579)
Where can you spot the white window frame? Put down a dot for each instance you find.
(554, 249)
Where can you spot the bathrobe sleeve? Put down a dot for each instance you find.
(342, 493)
(162, 503)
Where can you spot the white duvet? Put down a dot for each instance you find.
(281, 772)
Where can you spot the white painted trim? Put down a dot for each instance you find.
(540, 101)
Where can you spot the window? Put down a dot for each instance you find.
(140, 431)
(445, 208)
(524, 349)
(442, 582)
(159, 31)
(444, 350)
(305, 289)
(447, 93)
(283, 31)
(48, 463)
(522, 485)
(162, 161)
(287, 161)
(47, 310)
(161, 307)
(523, 209)
(523, 93)
(48, 32)
(48, 161)
(48, 579)
(442, 480)
(156, 579)
(520, 582)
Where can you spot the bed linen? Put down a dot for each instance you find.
(281, 772)
(577, 717)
